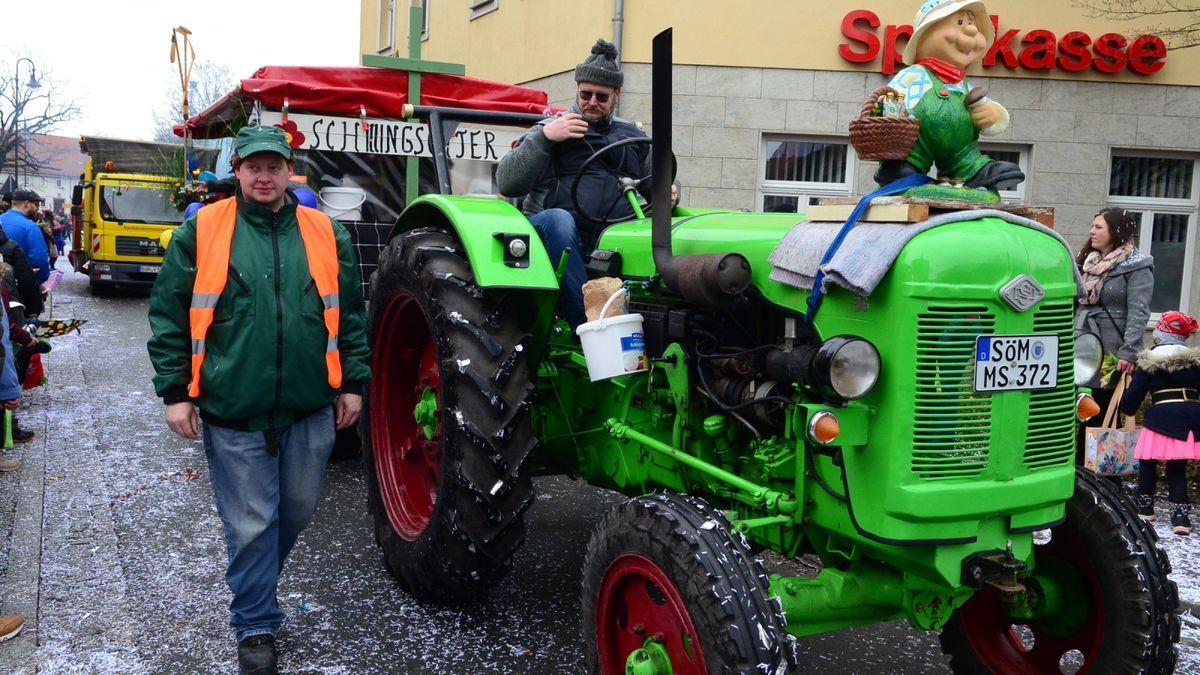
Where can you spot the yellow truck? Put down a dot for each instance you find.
(123, 203)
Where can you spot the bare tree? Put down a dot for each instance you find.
(36, 109)
(210, 81)
(1177, 22)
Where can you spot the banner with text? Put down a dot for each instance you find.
(392, 137)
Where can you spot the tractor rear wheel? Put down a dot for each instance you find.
(666, 581)
(447, 437)
(1110, 606)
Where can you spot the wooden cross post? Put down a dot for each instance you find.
(185, 56)
(415, 65)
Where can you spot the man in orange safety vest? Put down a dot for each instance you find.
(259, 332)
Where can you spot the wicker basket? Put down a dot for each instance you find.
(879, 138)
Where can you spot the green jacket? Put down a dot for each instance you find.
(265, 362)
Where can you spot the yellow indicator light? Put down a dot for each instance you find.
(824, 428)
(1086, 407)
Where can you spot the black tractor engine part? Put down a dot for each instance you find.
(711, 281)
(747, 364)
(603, 263)
(758, 400)
(793, 366)
(662, 325)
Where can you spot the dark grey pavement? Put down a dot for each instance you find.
(111, 548)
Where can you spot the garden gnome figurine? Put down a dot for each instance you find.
(948, 36)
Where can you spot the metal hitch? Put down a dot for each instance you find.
(995, 569)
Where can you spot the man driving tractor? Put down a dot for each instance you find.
(548, 159)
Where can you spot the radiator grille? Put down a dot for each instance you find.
(139, 246)
(951, 423)
(1050, 439)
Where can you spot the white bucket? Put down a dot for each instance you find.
(614, 345)
(343, 203)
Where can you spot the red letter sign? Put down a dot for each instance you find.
(1147, 54)
(1110, 53)
(1001, 47)
(852, 32)
(1073, 52)
(1039, 55)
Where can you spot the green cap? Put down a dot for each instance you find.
(251, 140)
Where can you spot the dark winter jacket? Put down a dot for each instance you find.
(1124, 308)
(265, 363)
(1166, 367)
(544, 171)
(25, 285)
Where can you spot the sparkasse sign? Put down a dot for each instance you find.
(1037, 49)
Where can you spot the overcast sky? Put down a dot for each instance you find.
(114, 56)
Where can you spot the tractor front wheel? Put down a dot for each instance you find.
(447, 437)
(1109, 606)
(669, 588)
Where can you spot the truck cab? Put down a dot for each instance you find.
(124, 202)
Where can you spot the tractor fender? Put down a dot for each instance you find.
(482, 224)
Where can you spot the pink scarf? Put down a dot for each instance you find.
(1096, 268)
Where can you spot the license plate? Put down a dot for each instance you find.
(150, 268)
(1016, 362)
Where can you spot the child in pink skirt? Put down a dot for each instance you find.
(1170, 374)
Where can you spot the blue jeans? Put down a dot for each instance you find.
(264, 502)
(557, 229)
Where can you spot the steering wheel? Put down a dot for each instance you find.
(625, 182)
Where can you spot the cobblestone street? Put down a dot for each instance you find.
(111, 549)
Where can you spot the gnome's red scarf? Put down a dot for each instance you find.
(946, 72)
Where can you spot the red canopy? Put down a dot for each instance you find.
(346, 91)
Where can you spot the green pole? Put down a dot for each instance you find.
(412, 170)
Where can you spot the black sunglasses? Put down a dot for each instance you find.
(585, 96)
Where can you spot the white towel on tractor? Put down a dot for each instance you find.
(868, 251)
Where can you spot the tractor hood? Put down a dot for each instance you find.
(933, 258)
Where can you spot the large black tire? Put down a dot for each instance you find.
(671, 565)
(448, 507)
(1113, 559)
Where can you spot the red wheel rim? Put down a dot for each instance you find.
(636, 601)
(408, 465)
(993, 636)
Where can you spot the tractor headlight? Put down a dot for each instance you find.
(847, 365)
(1088, 354)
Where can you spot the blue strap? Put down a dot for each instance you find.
(814, 299)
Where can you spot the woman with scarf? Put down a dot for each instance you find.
(1118, 280)
(1170, 374)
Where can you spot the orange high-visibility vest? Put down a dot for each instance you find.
(214, 237)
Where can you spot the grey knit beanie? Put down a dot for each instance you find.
(1164, 338)
(601, 66)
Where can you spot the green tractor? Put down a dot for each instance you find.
(919, 442)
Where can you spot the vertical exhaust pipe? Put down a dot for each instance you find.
(715, 280)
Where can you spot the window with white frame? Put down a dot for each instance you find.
(797, 170)
(1017, 154)
(424, 19)
(387, 26)
(480, 7)
(1161, 192)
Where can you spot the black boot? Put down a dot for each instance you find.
(892, 170)
(1180, 523)
(998, 175)
(1145, 507)
(257, 656)
(20, 435)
